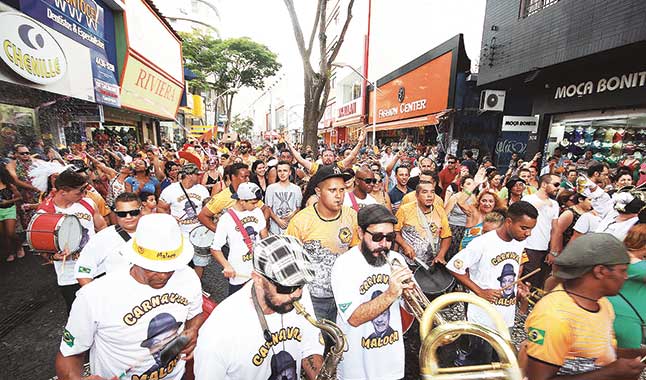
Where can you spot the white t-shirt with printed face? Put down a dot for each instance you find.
(231, 345)
(101, 254)
(375, 348)
(65, 271)
(125, 324)
(227, 232)
(369, 200)
(492, 263)
(181, 208)
(548, 210)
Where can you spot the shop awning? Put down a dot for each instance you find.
(415, 122)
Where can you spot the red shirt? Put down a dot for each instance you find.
(446, 177)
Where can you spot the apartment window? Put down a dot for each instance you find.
(531, 7)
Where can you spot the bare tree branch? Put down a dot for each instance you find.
(339, 41)
(323, 38)
(298, 32)
(316, 21)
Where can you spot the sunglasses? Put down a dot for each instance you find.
(379, 236)
(282, 289)
(451, 162)
(369, 181)
(123, 214)
(23, 153)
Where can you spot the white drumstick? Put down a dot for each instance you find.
(421, 263)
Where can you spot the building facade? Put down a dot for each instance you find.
(574, 66)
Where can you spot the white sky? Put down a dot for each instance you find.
(401, 31)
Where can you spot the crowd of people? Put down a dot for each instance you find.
(342, 237)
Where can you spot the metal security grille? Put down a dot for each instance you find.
(530, 7)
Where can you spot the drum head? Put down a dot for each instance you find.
(201, 237)
(436, 280)
(69, 234)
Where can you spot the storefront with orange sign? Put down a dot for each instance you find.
(426, 100)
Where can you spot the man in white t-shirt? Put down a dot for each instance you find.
(183, 200)
(622, 217)
(139, 322)
(241, 226)
(69, 198)
(489, 266)
(367, 293)
(101, 254)
(544, 243)
(364, 182)
(256, 333)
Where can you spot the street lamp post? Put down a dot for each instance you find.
(374, 98)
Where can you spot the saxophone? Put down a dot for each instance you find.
(334, 356)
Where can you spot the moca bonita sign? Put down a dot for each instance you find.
(614, 83)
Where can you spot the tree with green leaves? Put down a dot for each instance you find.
(225, 66)
(316, 83)
(242, 126)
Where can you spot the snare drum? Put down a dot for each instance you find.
(201, 238)
(53, 233)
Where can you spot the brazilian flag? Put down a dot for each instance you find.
(535, 335)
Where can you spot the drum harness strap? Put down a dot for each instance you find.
(187, 197)
(243, 231)
(641, 320)
(353, 200)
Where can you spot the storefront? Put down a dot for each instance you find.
(415, 102)
(152, 75)
(601, 108)
(56, 55)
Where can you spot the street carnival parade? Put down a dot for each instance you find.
(322, 189)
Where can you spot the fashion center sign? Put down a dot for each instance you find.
(618, 82)
(421, 91)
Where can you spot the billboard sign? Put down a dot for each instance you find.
(84, 23)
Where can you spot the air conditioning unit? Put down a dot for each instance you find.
(492, 100)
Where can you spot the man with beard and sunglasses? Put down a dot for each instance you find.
(256, 333)
(101, 254)
(366, 288)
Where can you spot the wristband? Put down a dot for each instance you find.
(554, 253)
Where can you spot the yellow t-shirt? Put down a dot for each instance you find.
(413, 232)
(222, 201)
(98, 200)
(323, 241)
(561, 333)
(410, 197)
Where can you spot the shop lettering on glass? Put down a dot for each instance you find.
(403, 108)
(348, 109)
(618, 82)
(151, 82)
(30, 50)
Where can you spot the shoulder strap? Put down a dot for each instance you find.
(87, 206)
(353, 200)
(245, 235)
(124, 235)
(187, 197)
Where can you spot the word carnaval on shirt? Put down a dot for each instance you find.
(373, 280)
(149, 304)
(282, 335)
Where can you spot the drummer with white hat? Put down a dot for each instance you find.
(137, 322)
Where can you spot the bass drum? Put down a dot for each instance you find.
(53, 233)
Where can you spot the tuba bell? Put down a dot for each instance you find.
(434, 337)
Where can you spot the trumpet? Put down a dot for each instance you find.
(535, 294)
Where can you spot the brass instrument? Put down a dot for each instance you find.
(434, 337)
(334, 356)
(535, 295)
(427, 313)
